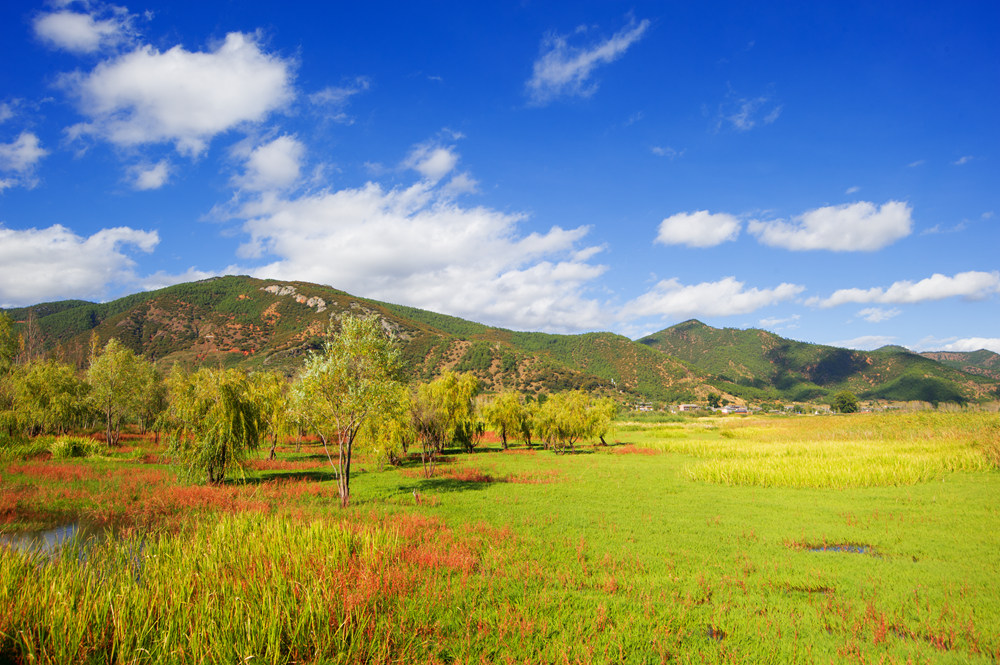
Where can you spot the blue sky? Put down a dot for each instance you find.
(828, 171)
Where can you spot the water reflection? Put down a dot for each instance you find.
(50, 542)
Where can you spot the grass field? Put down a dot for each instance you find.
(735, 540)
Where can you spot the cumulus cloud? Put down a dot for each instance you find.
(273, 165)
(565, 70)
(432, 161)
(415, 245)
(853, 227)
(18, 160)
(79, 32)
(726, 297)
(181, 97)
(878, 314)
(698, 229)
(778, 323)
(967, 344)
(161, 279)
(151, 176)
(972, 285)
(87, 265)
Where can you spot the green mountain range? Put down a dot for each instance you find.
(759, 364)
(238, 320)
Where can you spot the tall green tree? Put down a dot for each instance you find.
(216, 420)
(117, 378)
(270, 389)
(601, 414)
(351, 382)
(48, 397)
(507, 415)
(845, 402)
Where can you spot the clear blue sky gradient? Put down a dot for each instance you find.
(828, 171)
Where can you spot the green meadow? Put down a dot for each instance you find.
(814, 539)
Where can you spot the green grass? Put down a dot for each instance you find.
(614, 554)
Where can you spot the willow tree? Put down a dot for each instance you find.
(351, 382)
(508, 415)
(217, 420)
(118, 380)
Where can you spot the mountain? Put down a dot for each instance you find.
(983, 362)
(762, 365)
(238, 320)
(254, 323)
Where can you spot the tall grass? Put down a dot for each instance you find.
(865, 450)
(244, 588)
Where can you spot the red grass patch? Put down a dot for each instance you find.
(285, 465)
(54, 472)
(632, 449)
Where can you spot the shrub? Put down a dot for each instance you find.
(75, 446)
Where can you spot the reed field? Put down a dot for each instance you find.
(812, 539)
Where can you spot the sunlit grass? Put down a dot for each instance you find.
(832, 451)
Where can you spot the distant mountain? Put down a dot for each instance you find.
(986, 363)
(760, 364)
(238, 320)
(254, 323)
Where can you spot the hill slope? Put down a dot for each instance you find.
(986, 363)
(238, 320)
(759, 364)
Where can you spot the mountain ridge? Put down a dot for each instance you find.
(257, 323)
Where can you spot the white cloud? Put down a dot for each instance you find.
(919, 162)
(431, 161)
(151, 176)
(745, 113)
(987, 215)
(865, 342)
(967, 344)
(860, 226)
(666, 151)
(852, 190)
(776, 323)
(972, 285)
(274, 165)
(334, 99)
(726, 297)
(965, 159)
(161, 279)
(417, 246)
(22, 154)
(87, 266)
(179, 96)
(18, 160)
(6, 111)
(698, 229)
(562, 69)
(84, 33)
(878, 314)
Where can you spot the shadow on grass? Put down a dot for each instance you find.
(441, 485)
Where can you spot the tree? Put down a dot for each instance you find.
(713, 400)
(601, 414)
(117, 378)
(351, 382)
(845, 402)
(506, 414)
(270, 390)
(564, 419)
(10, 343)
(48, 397)
(217, 421)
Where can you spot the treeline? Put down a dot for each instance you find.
(350, 393)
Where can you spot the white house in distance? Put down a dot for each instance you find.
(734, 408)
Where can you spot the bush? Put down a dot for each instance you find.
(75, 446)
